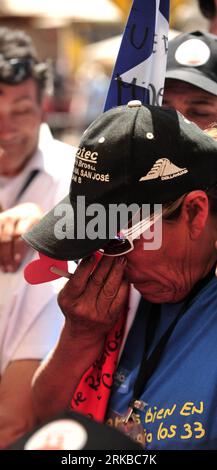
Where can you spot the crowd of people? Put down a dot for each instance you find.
(130, 339)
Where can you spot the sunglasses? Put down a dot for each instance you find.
(123, 242)
(16, 70)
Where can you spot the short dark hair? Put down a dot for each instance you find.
(16, 44)
(208, 8)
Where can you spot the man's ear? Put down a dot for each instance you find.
(195, 210)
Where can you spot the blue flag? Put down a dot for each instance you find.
(139, 72)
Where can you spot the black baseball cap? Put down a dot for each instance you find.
(131, 154)
(74, 431)
(192, 58)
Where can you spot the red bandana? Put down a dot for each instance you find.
(92, 394)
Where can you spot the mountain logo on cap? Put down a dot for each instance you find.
(165, 170)
(192, 53)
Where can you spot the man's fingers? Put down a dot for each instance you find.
(115, 307)
(120, 299)
(87, 301)
(22, 226)
(12, 254)
(13, 223)
(111, 285)
(12, 249)
(6, 257)
(99, 276)
(78, 281)
(6, 244)
(20, 250)
(7, 230)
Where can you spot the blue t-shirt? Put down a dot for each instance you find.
(181, 395)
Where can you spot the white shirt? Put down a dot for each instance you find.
(30, 319)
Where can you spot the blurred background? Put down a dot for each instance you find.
(81, 38)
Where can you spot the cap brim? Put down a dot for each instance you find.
(51, 237)
(48, 238)
(194, 77)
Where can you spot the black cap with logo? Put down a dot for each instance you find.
(131, 154)
(192, 58)
(72, 431)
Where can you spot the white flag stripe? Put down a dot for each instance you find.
(152, 70)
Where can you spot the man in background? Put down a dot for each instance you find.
(34, 173)
(191, 77)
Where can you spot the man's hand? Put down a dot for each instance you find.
(92, 300)
(14, 223)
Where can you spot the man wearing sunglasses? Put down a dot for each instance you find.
(144, 363)
(33, 174)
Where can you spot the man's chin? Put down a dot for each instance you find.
(156, 299)
(157, 296)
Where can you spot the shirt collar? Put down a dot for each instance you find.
(37, 161)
